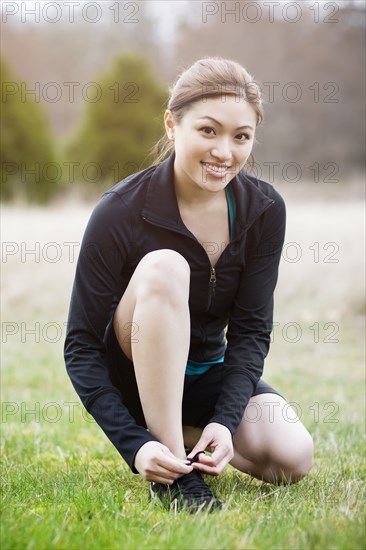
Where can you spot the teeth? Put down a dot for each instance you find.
(218, 169)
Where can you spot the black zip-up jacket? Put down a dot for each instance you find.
(138, 215)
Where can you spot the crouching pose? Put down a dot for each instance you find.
(172, 303)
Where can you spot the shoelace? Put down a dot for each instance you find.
(195, 458)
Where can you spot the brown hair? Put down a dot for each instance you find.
(208, 77)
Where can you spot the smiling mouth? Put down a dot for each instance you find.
(220, 169)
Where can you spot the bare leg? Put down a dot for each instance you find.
(270, 443)
(156, 302)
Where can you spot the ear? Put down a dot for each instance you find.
(169, 124)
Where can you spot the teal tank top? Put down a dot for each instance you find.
(194, 367)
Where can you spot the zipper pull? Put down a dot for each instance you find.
(213, 280)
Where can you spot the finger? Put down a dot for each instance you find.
(201, 445)
(196, 457)
(160, 479)
(210, 466)
(213, 470)
(161, 475)
(205, 460)
(217, 457)
(221, 453)
(205, 469)
(205, 464)
(168, 453)
(174, 465)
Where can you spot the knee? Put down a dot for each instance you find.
(165, 274)
(296, 462)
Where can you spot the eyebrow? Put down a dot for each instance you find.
(219, 123)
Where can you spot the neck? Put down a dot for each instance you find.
(191, 195)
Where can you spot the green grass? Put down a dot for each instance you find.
(64, 486)
(65, 502)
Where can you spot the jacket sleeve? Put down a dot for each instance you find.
(251, 317)
(103, 253)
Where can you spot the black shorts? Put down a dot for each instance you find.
(199, 395)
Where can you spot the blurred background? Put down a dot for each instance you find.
(85, 84)
(84, 87)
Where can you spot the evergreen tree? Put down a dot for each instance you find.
(28, 163)
(121, 126)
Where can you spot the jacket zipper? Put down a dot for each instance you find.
(213, 281)
(212, 269)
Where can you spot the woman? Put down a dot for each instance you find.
(171, 257)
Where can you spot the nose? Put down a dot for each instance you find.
(222, 151)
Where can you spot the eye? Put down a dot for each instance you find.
(243, 137)
(207, 130)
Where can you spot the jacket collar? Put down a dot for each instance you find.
(161, 206)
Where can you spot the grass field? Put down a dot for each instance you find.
(64, 486)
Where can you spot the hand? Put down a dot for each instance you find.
(219, 439)
(155, 462)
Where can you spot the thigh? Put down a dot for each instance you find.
(123, 323)
(270, 430)
(154, 275)
(123, 317)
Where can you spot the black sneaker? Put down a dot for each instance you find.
(188, 492)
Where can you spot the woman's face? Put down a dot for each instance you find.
(212, 142)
